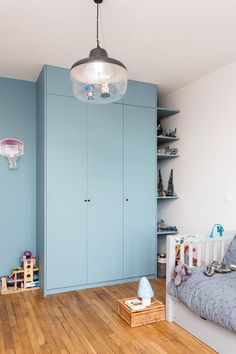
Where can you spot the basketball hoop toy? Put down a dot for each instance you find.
(11, 149)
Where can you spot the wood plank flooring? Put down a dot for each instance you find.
(86, 321)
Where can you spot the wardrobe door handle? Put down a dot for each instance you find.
(88, 200)
(126, 200)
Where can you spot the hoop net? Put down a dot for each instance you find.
(11, 149)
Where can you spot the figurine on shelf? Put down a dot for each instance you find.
(173, 151)
(163, 227)
(167, 151)
(170, 191)
(159, 130)
(161, 151)
(160, 187)
(170, 133)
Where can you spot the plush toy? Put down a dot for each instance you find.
(181, 272)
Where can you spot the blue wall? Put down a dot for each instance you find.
(17, 188)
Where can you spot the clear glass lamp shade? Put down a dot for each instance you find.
(99, 81)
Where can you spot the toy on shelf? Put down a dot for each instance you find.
(160, 188)
(170, 192)
(163, 227)
(159, 130)
(170, 133)
(167, 151)
(22, 278)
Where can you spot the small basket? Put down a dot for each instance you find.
(153, 313)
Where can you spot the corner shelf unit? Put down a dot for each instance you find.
(163, 113)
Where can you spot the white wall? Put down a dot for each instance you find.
(206, 168)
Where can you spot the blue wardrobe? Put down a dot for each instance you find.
(96, 185)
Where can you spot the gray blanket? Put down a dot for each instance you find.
(211, 298)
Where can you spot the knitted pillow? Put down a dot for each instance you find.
(230, 257)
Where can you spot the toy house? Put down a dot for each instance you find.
(22, 278)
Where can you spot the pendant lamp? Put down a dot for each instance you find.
(98, 78)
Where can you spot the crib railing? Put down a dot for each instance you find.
(205, 251)
(202, 248)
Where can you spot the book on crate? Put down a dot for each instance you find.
(135, 304)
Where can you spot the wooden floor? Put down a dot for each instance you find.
(86, 322)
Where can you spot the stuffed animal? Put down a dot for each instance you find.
(180, 273)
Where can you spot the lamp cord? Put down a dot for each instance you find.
(97, 24)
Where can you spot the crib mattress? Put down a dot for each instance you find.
(211, 298)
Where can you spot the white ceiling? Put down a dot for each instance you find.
(168, 42)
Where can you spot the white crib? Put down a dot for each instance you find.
(206, 250)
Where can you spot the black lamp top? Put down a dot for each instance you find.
(98, 52)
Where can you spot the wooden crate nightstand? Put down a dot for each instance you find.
(151, 314)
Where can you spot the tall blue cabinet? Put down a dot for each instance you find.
(105, 192)
(139, 190)
(66, 166)
(96, 185)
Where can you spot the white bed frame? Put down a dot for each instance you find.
(218, 338)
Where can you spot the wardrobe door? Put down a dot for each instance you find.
(105, 192)
(139, 191)
(66, 246)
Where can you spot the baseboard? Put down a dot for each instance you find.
(94, 285)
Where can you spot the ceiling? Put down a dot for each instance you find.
(167, 42)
